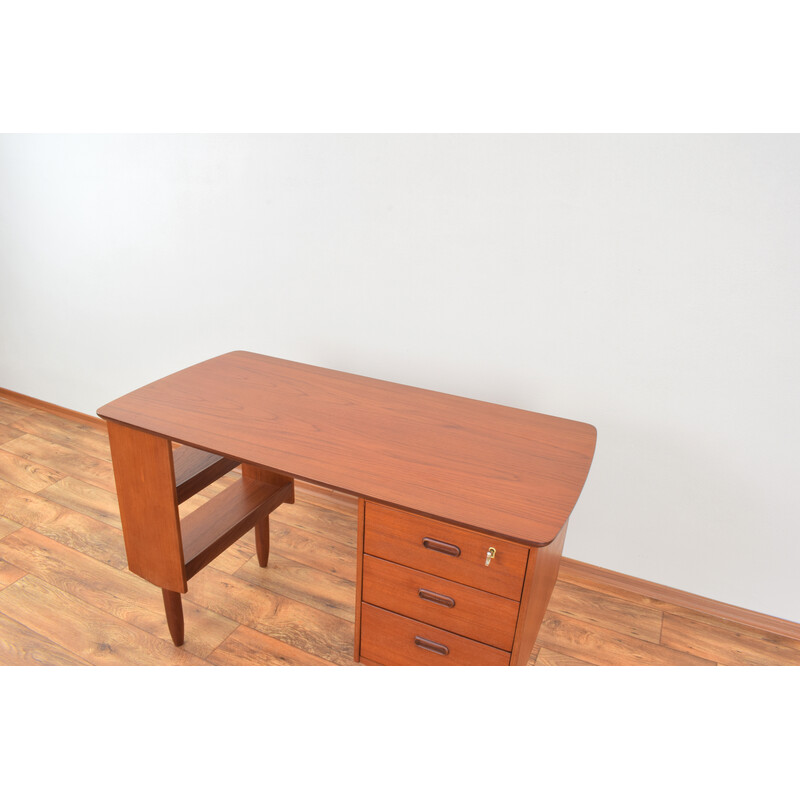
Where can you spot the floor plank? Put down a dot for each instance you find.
(8, 526)
(26, 474)
(663, 598)
(78, 531)
(9, 573)
(21, 647)
(313, 549)
(91, 634)
(533, 656)
(69, 433)
(567, 573)
(85, 498)
(248, 648)
(767, 639)
(552, 658)
(604, 609)
(7, 433)
(10, 412)
(317, 632)
(321, 521)
(725, 646)
(310, 494)
(597, 645)
(119, 593)
(315, 587)
(71, 462)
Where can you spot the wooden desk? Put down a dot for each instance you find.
(463, 505)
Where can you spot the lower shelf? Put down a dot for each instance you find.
(217, 524)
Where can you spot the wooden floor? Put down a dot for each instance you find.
(66, 596)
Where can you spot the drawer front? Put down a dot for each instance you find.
(485, 617)
(445, 550)
(390, 639)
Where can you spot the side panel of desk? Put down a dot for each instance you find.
(148, 505)
(540, 580)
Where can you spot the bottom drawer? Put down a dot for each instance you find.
(390, 639)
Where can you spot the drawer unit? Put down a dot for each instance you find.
(430, 592)
(481, 616)
(445, 550)
(394, 640)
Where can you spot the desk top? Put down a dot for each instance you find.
(512, 473)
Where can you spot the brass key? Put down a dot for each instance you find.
(490, 554)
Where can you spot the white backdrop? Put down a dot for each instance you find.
(646, 284)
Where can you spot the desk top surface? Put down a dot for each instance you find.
(509, 472)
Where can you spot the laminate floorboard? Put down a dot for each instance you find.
(21, 647)
(248, 647)
(26, 474)
(66, 460)
(7, 432)
(67, 597)
(8, 526)
(9, 573)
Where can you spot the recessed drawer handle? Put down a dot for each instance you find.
(434, 647)
(441, 547)
(441, 599)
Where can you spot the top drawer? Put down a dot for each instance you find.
(445, 550)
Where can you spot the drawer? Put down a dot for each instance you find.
(445, 550)
(478, 615)
(390, 639)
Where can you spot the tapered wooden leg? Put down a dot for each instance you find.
(262, 542)
(262, 528)
(174, 609)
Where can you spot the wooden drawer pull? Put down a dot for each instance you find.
(441, 547)
(441, 599)
(434, 647)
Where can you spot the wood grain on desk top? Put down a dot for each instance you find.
(509, 472)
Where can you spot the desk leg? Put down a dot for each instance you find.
(262, 542)
(262, 526)
(174, 609)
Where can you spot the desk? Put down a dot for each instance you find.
(463, 505)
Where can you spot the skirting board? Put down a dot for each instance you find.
(52, 408)
(600, 575)
(677, 597)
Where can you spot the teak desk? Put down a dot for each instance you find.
(463, 505)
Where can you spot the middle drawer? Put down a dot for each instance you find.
(481, 616)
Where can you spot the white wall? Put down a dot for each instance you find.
(646, 284)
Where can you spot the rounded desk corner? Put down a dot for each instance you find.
(593, 432)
